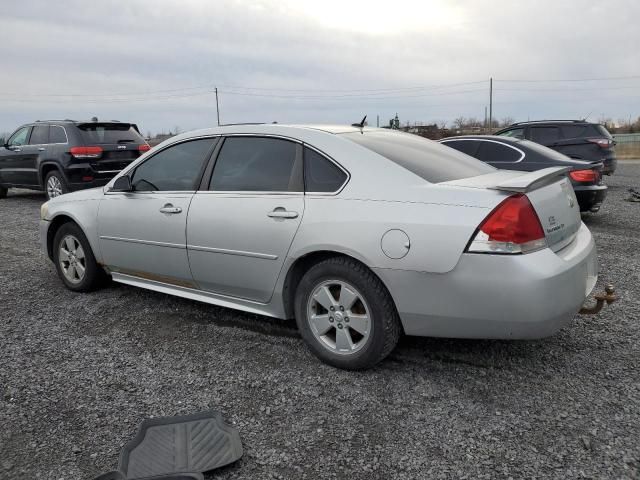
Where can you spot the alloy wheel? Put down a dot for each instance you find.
(339, 317)
(54, 187)
(72, 259)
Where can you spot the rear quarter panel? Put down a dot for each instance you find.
(438, 232)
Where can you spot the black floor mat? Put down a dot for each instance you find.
(172, 445)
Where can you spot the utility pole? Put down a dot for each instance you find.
(490, 105)
(485, 119)
(217, 107)
(378, 121)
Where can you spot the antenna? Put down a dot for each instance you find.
(361, 124)
(587, 116)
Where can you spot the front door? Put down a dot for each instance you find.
(17, 160)
(239, 230)
(142, 233)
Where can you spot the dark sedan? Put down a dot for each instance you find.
(516, 154)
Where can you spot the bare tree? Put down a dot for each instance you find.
(506, 121)
(460, 123)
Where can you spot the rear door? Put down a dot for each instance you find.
(142, 233)
(241, 226)
(38, 148)
(121, 143)
(547, 135)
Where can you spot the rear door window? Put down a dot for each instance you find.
(573, 131)
(174, 169)
(109, 133)
(470, 147)
(257, 164)
(428, 159)
(39, 135)
(545, 135)
(321, 174)
(494, 152)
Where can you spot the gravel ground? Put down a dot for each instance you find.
(78, 372)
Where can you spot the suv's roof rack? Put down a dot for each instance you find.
(549, 121)
(55, 120)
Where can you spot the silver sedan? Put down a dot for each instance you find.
(359, 234)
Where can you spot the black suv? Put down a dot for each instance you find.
(59, 156)
(575, 138)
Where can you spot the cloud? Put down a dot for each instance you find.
(99, 51)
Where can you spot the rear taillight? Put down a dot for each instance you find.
(601, 142)
(144, 148)
(86, 152)
(584, 175)
(512, 227)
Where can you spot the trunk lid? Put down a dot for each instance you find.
(550, 193)
(120, 143)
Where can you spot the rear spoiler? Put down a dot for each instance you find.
(530, 181)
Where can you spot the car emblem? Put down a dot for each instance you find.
(552, 220)
(571, 202)
(122, 147)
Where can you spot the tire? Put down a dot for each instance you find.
(55, 185)
(3, 192)
(70, 242)
(364, 343)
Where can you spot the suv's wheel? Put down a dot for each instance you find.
(3, 192)
(54, 184)
(74, 260)
(345, 314)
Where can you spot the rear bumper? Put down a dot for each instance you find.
(590, 198)
(82, 175)
(497, 296)
(609, 165)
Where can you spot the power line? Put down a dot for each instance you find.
(601, 79)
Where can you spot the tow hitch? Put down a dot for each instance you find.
(608, 296)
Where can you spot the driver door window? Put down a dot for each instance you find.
(175, 169)
(19, 138)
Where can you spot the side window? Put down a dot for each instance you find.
(57, 134)
(176, 168)
(470, 147)
(257, 164)
(321, 174)
(20, 137)
(39, 135)
(492, 152)
(545, 135)
(514, 132)
(573, 131)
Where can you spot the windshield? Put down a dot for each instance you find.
(426, 158)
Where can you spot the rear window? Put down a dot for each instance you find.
(601, 130)
(427, 159)
(109, 133)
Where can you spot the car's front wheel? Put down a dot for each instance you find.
(345, 314)
(74, 260)
(54, 185)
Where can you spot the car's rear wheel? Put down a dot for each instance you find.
(3, 192)
(74, 260)
(54, 185)
(345, 314)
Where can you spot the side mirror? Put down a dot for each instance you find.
(122, 184)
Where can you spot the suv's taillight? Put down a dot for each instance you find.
(144, 148)
(601, 142)
(585, 175)
(86, 152)
(512, 227)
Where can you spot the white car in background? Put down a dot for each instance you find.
(361, 234)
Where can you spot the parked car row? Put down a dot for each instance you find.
(60, 156)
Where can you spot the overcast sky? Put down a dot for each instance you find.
(156, 62)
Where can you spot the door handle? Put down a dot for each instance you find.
(169, 208)
(282, 213)
(41, 149)
(16, 149)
